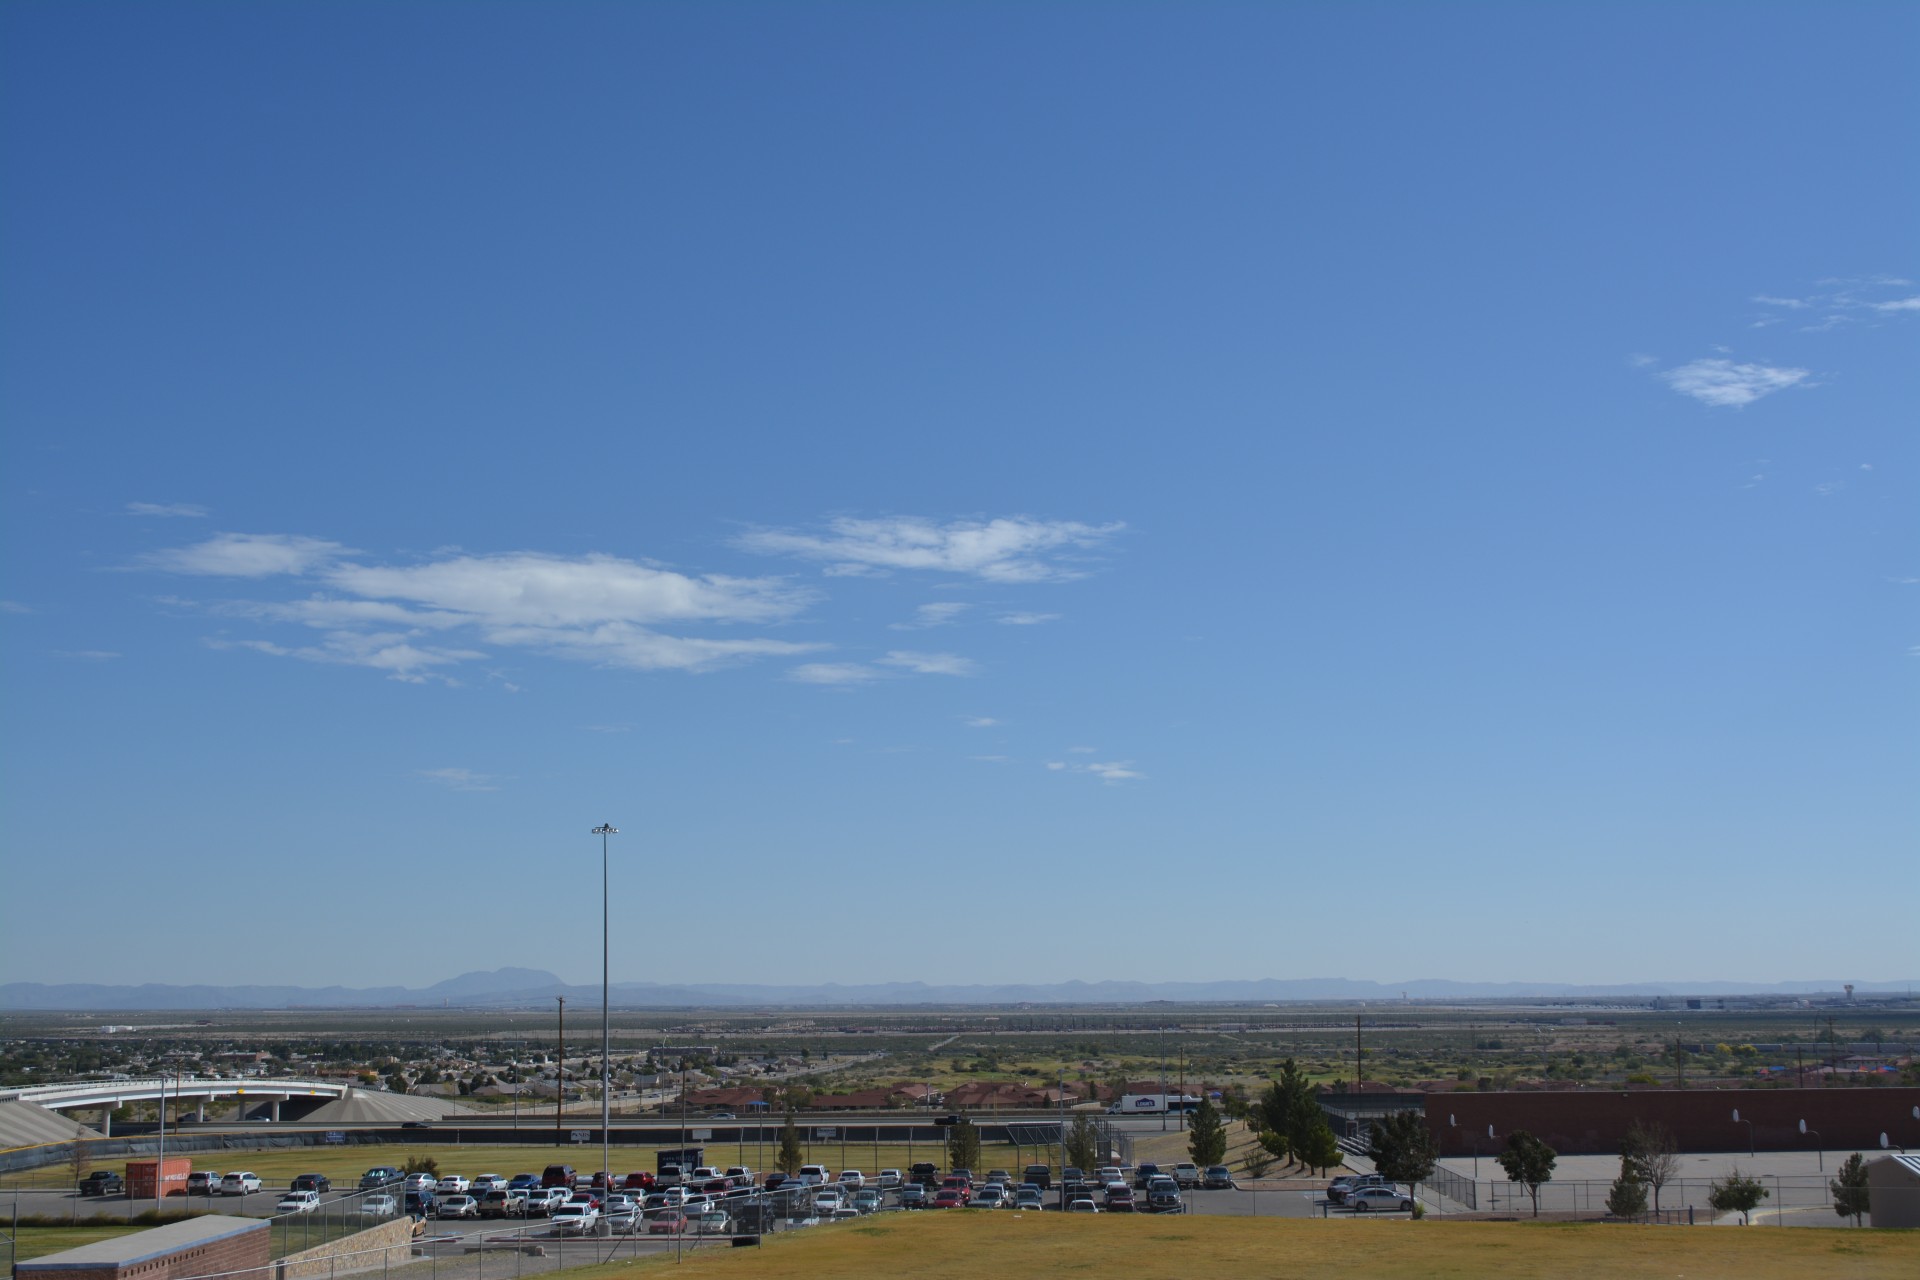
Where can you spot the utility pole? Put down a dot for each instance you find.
(560, 1077)
(1356, 1053)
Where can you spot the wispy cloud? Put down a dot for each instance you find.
(940, 614)
(245, 555)
(1897, 305)
(594, 608)
(833, 673)
(1838, 303)
(1107, 771)
(1009, 549)
(931, 664)
(86, 655)
(1830, 488)
(176, 510)
(978, 722)
(1026, 619)
(1724, 383)
(459, 779)
(14, 606)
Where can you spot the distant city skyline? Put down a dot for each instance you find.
(1133, 493)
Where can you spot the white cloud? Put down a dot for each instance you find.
(1830, 488)
(245, 555)
(1107, 771)
(1791, 304)
(389, 651)
(1641, 360)
(931, 664)
(593, 608)
(459, 779)
(166, 509)
(1026, 619)
(86, 655)
(14, 606)
(1008, 549)
(1729, 384)
(1898, 304)
(941, 614)
(833, 673)
(978, 722)
(991, 759)
(1082, 751)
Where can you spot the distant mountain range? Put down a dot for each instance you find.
(508, 988)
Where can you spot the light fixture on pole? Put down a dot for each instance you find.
(604, 830)
(1817, 1138)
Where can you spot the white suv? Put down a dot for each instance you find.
(239, 1184)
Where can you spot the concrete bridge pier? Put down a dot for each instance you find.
(106, 1122)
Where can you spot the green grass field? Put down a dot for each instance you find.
(993, 1246)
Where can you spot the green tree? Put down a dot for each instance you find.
(1850, 1189)
(1207, 1139)
(1288, 1108)
(1083, 1143)
(422, 1164)
(1737, 1194)
(1320, 1150)
(789, 1158)
(1403, 1149)
(963, 1146)
(396, 1082)
(1529, 1162)
(1627, 1198)
(1654, 1154)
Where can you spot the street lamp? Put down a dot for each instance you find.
(604, 830)
(1749, 1124)
(1819, 1139)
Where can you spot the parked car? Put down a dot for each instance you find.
(714, 1222)
(378, 1205)
(827, 1199)
(575, 1219)
(421, 1182)
(913, 1196)
(1029, 1197)
(1143, 1174)
(451, 1182)
(1163, 1197)
(239, 1184)
(948, 1198)
(298, 1202)
(815, 1174)
(501, 1203)
(637, 1182)
(380, 1177)
(201, 1183)
(420, 1204)
(666, 1222)
(523, 1181)
(1186, 1174)
(1342, 1187)
(987, 1197)
(557, 1175)
(889, 1179)
(924, 1173)
(1119, 1198)
(1376, 1198)
(1040, 1175)
(102, 1183)
(488, 1182)
(458, 1206)
(866, 1200)
(312, 1182)
(741, 1175)
(1217, 1178)
(1082, 1205)
(852, 1179)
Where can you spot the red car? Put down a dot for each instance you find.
(600, 1180)
(956, 1184)
(672, 1222)
(949, 1198)
(638, 1182)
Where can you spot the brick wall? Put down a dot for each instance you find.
(389, 1244)
(1585, 1122)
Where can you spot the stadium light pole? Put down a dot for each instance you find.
(604, 830)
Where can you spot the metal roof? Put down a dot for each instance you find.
(145, 1246)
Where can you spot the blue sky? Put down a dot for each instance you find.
(980, 491)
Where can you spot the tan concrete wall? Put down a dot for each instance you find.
(389, 1244)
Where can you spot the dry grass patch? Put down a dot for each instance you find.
(995, 1246)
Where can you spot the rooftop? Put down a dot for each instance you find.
(144, 1246)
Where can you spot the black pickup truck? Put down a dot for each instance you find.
(101, 1183)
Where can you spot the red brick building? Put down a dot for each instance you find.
(210, 1245)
